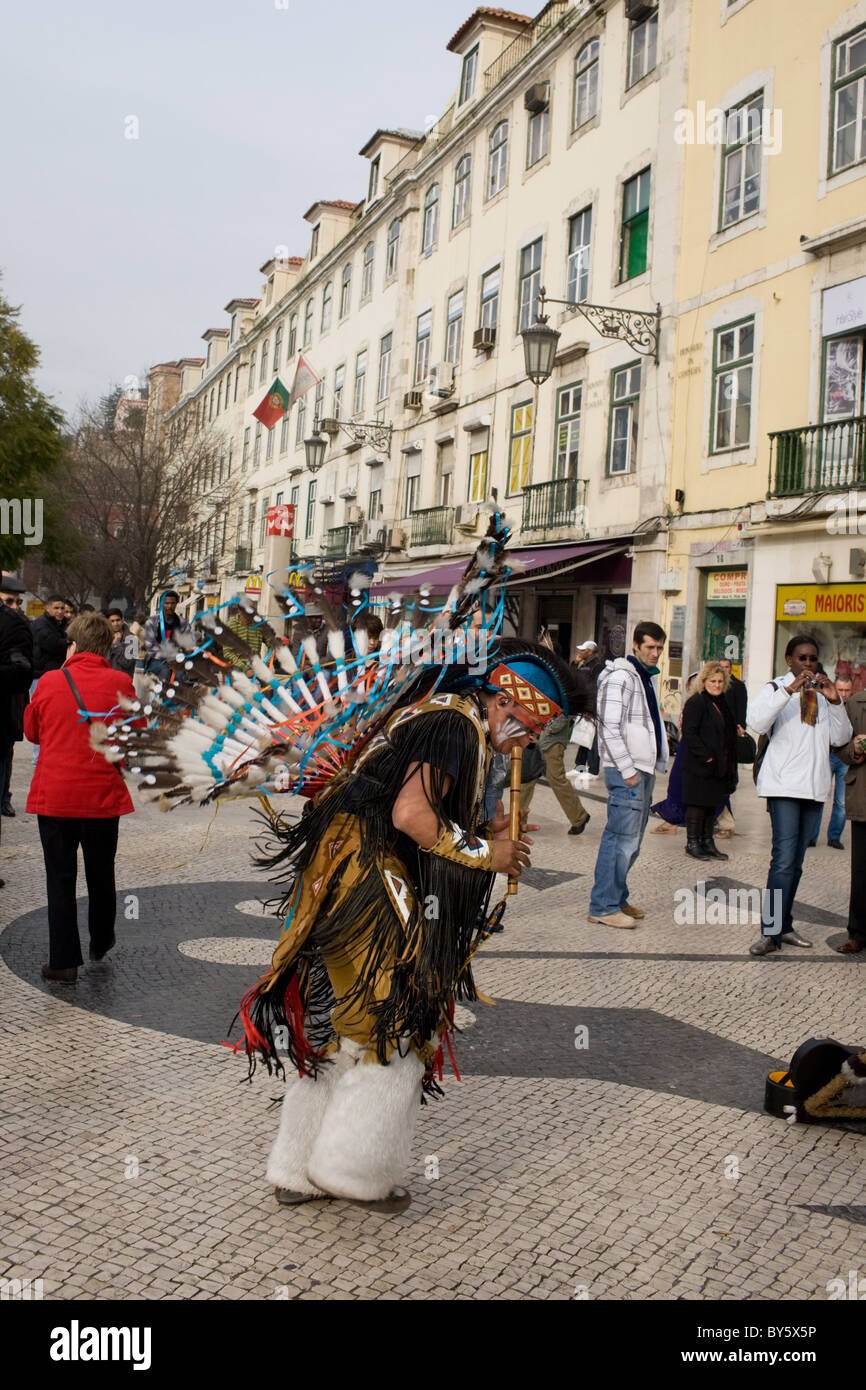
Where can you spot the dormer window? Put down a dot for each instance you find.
(234, 328)
(468, 76)
(375, 166)
(314, 244)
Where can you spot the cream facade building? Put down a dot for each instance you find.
(768, 466)
(553, 166)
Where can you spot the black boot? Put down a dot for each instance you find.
(707, 840)
(694, 827)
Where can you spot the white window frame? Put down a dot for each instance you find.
(586, 83)
(497, 159)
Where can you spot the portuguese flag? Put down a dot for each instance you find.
(274, 406)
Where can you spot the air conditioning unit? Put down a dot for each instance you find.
(483, 339)
(397, 538)
(441, 380)
(537, 97)
(466, 516)
(354, 516)
(327, 500)
(373, 535)
(348, 493)
(636, 10)
(413, 400)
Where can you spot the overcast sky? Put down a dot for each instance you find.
(121, 251)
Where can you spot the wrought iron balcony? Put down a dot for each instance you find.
(559, 503)
(432, 526)
(818, 458)
(339, 541)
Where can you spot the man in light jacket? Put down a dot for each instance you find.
(633, 747)
(802, 714)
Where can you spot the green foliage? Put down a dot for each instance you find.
(32, 446)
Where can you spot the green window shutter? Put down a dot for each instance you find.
(638, 233)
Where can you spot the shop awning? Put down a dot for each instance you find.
(544, 561)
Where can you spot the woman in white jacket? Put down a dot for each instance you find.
(802, 715)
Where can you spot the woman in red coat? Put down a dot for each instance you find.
(77, 795)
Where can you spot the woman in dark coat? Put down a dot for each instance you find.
(710, 761)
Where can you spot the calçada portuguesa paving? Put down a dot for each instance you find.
(607, 1139)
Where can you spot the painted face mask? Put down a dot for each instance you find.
(511, 728)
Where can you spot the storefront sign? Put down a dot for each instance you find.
(281, 520)
(821, 603)
(253, 585)
(844, 307)
(731, 585)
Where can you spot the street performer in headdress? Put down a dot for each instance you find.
(390, 874)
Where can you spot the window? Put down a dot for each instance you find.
(314, 241)
(568, 404)
(234, 328)
(497, 159)
(468, 75)
(319, 403)
(346, 290)
(360, 382)
(521, 447)
(393, 250)
(478, 467)
(311, 510)
(422, 346)
(454, 328)
(278, 347)
(284, 434)
(237, 381)
(301, 421)
(374, 510)
(263, 519)
(225, 526)
(257, 445)
(308, 323)
(263, 365)
(579, 239)
(229, 460)
(530, 284)
(537, 136)
(252, 376)
(375, 166)
(741, 161)
(635, 226)
(251, 521)
(245, 452)
(384, 388)
(586, 83)
(445, 485)
(462, 190)
(624, 398)
(269, 445)
(642, 47)
(430, 224)
(849, 101)
(339, 383)
(219, 396)
(413, 489)
(295, 497)
(490, 298)
(293, 337)
(327, 305)
(733, 359)
(367, 272)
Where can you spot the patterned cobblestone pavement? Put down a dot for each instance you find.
(628, 1161)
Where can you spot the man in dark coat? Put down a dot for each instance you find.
(16, 670)
(49, 638)
(736, 696)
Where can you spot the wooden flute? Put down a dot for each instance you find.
(514, 807)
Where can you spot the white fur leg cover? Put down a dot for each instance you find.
(362, 1149)
(304, 1106)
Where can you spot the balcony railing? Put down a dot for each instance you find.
(339, 540)
(560, 503)
(432, 526)
(545, 23)
(818, 458)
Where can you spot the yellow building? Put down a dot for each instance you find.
(768, 465)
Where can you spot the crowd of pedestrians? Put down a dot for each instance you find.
(813, 741)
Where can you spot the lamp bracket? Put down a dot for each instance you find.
(637, 327)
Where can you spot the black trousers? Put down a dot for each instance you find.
(857, 909)
(61, 836)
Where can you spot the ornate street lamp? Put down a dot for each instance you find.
(636, 327)
(314, 449)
